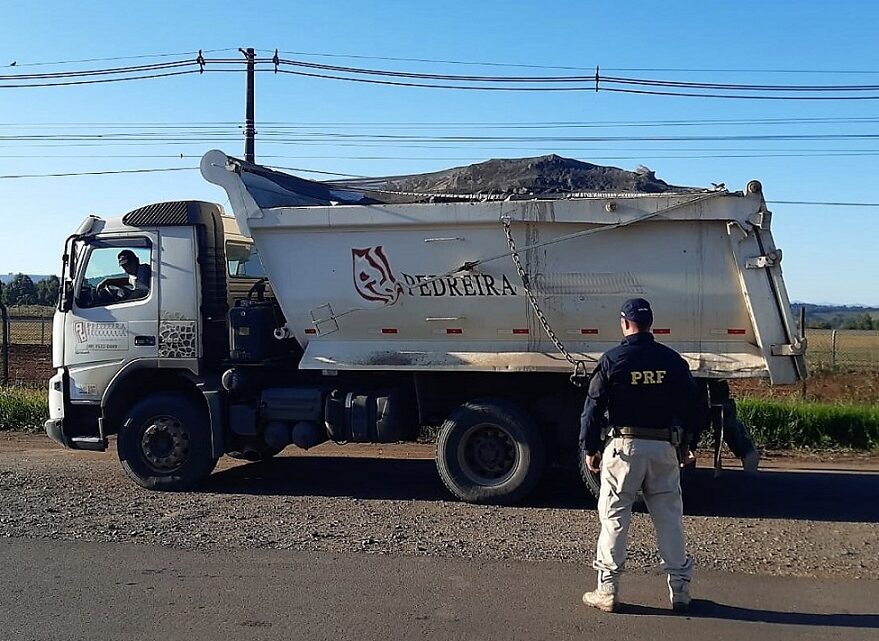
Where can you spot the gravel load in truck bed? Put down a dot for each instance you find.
(538, 176)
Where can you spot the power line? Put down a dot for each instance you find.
(823, 204)
(98, 72)
(581, 88)
(573, 68)
(593, 77)
(683, 94)
(594, 154)
(579, 83)
(99, 173)
(323, 136)
(592, 82)
(464, 124)
(329, 173)
(103, 80)
(114, 58)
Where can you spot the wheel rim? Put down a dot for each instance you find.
(165, 443)
(488, 454)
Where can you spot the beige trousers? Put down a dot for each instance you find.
(628, 466)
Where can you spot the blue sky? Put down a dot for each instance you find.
(830, 253)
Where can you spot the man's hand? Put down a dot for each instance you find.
(690, 460)
(593, 462)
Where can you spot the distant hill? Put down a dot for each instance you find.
(823, 316)
(7, 278)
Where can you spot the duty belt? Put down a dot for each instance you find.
(669, 435)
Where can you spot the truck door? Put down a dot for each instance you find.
(113, 318)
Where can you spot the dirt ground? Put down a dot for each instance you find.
(786, 520)
(821, 386)
(39, 446)
(30, 364)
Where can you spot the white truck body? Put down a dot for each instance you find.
(377, 287)
(387, 312)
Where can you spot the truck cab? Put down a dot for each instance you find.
(143, 312)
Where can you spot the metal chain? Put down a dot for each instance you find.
(579, 372)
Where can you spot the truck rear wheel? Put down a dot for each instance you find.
(490, 451)
(593, 479)
(165, 443)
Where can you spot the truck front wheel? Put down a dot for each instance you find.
(490, 451)
(165, 443)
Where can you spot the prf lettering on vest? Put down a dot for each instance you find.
(648, 377)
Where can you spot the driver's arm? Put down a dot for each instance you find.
(141, 281)
(119, 281)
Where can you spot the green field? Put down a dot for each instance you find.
(858, 349)
(42, 311)
(791, 424)
(22, 409)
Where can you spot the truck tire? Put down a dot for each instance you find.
(593, 480)
(165, 443)
(490, 451)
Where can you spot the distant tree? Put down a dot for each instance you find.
(47, 291)
(21, 291)
(859, 321)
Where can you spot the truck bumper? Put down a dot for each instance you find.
(73, 427)
(55, 430)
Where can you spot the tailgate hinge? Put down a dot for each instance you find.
(797, 348)
(761, 262)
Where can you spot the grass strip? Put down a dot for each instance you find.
(795, 425)
(23, 409)
(772, 424)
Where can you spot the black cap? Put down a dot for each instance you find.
(638, 311)
(126, 255)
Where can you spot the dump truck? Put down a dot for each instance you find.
(371, 313)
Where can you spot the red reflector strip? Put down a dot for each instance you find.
(589, 330)
(521, 330)
(311, 330)
(662, 331)
(454, 330)
(389, 330)
(735, 331)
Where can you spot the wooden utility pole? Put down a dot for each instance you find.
(249, 127)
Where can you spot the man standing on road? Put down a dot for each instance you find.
(647, 390)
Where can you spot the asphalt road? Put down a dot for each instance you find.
(76, 590)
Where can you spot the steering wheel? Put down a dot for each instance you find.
(114, 293)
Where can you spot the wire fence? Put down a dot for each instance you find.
(850, 349)
(26, 347)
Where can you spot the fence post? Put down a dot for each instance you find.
(42, 332)
(833, 349)
(4, 336)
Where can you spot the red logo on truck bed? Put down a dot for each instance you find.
(373, 278)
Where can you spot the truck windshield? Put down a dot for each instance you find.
(243, 261)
